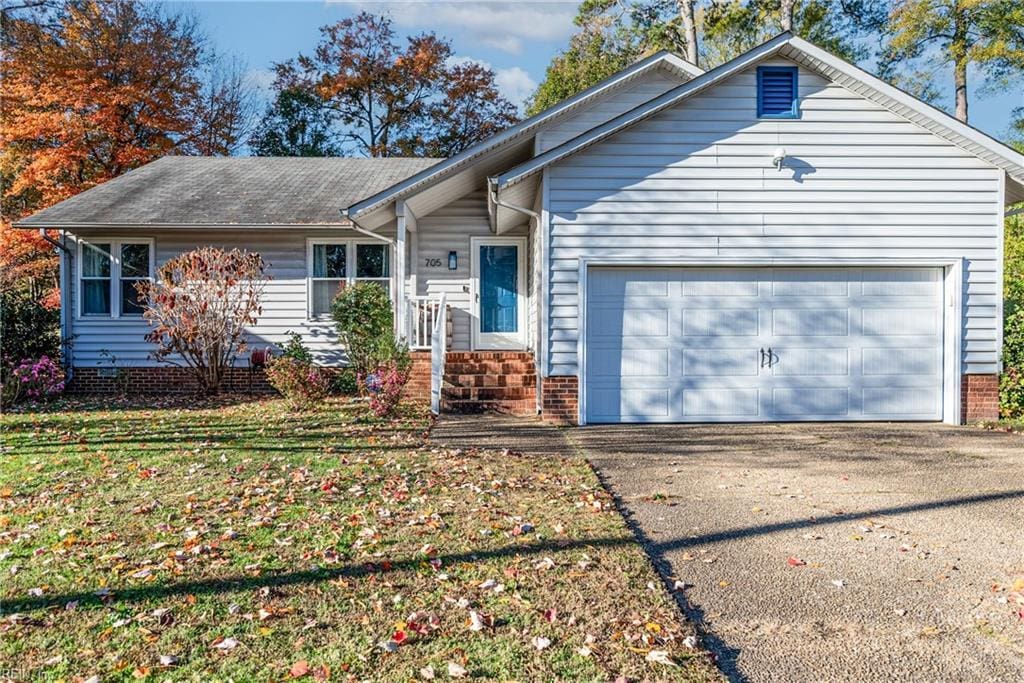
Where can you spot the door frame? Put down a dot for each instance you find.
(952, 307)
(476, 343)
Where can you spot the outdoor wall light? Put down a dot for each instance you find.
(453, 260)
(780, 156)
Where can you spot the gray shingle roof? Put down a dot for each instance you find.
(230, 191)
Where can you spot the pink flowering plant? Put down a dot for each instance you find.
(302, 384)
(33, 380)
(384, 386)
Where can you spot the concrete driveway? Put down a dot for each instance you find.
(816, 552)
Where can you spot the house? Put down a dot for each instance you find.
(784, 237)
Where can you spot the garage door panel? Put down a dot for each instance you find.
(810, 322)
(715, 282)
(719, 362)
(811, 403)
(899, 282)
(625, 405)
(900, 401)
(809, 282)
(719, 403)
(720, 322)
(811, 362)
(922, 360)
(625, 363)
(847, 344)
(903, 321)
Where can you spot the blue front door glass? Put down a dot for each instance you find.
(499, 281)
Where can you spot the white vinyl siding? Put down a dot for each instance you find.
(644, 88)
(697, 181)
(105, 341)
(450, 229)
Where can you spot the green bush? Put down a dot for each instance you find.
(1011, 384)
(344, 382)
(295, 349)
(363, 316)
(27, 329)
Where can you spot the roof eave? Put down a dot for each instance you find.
(51, 225)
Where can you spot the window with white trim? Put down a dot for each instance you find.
(110, 270)
(333, 264)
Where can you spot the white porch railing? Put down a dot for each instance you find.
(423, 314)
(438, 350)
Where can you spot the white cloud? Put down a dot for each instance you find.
(496, 23)
(514, 83)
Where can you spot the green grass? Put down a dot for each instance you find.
(1015, 425)
(130, 533)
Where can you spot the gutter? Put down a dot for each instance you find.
(363, 231)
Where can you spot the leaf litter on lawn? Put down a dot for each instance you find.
(238, 539)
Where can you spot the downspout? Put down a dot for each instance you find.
(65, 301)
(1014, 212)
(492, 185)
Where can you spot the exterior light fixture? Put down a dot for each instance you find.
(780, 156)
(453, 260)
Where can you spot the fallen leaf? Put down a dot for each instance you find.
(456, 671)
(660, 657)
(795, 562)
(299, 669)
(541, 643)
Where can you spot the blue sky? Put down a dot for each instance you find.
(516, 39)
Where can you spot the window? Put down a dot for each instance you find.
(777, 92)
(110, 269)
(328, 275)
(372, 264)
(332, 265)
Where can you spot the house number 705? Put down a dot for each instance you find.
(433, 263)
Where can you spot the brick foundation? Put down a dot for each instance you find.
(160, 380)
(418, 388)
(560, 400)
(979, 398)
(496, 381)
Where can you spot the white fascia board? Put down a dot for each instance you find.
(645, 110)
(523, 128)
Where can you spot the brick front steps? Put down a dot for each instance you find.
(500, 381)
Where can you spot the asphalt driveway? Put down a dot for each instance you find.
(818, 552)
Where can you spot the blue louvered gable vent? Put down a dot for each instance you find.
(777, 92)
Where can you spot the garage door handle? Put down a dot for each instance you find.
(763, 357)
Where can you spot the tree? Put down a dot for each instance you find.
(615, 33)
(29, 305)
(93, 89)
(296, 124)
(199, 305)
(385, 99)
(923, 37)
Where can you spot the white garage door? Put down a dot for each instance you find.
(763, 344)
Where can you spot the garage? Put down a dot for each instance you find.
(752, 344)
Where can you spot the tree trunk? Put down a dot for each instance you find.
(689, 28)
(958, 51)
(787, 15)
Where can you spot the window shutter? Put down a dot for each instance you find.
(776, 92)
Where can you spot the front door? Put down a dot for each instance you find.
(499, 284)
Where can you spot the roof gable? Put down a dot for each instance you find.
(801, 52)
(522, 131)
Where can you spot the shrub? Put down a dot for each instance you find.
(34, 380)
(302, 384)
(344, 382)
(28, 329)
(1011, 384)
(365, 322)
(384, 386)
(199, 305)
(295, 349)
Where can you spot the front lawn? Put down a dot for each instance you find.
(242, 541)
